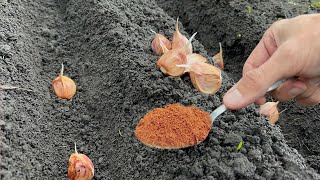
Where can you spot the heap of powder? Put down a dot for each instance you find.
(174, 126)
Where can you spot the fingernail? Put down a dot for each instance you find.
(233, 97)
(295, 92)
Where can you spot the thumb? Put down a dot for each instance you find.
(255, 83)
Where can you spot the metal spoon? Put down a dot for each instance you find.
(222, 108)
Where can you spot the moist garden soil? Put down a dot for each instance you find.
(105, 47)
(239, 31)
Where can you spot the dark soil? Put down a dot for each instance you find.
(223, 21)
(105, 47)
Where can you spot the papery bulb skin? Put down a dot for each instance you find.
(179, 41)
(169, 60)
(64, 87)
(194, 57)
(218, 59)
(270, 110)
(168, 63)
(205, 77)
(156, 44)
(80, 167)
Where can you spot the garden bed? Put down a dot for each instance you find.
(105, 48)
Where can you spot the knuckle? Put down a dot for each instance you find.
(310, 101)
(246, 67)
(278, 24)
(288, 50)
(254, 78)
(315, 99)
(311, 92)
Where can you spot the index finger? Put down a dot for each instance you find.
(262, 52)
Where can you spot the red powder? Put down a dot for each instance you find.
(174, 126)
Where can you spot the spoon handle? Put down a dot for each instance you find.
(276, 85)
(219, 110)
(222, 108)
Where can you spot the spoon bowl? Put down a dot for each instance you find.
(194, 132)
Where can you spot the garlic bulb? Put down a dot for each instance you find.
(160, 44)
(218, 59)
(164, 48)
(205, 77)
(80, 167)
(63, 86)
(168, 61)
(179, 41)
(191, 58)
(270, 110)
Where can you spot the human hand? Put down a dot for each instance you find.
(289, 48)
